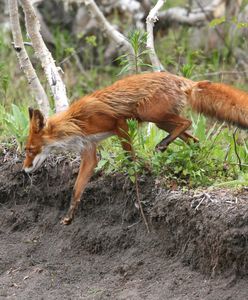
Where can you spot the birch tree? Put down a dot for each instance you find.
(24, 61)
(150, 21)
(47, 62)
(43, 54)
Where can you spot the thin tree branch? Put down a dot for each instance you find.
(25, 63)
(24, 43)
(107, 28)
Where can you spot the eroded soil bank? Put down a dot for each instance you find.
(197, 248)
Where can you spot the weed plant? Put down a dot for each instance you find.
(14, 124)
(215, 160)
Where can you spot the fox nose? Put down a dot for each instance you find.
(23, 167)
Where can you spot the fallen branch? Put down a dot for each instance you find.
(108, 29)
(24, 61)
(195, 17)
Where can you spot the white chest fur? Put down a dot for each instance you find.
(78, 143)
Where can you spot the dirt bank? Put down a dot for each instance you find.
(197, 248)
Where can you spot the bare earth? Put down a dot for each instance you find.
(197, 248)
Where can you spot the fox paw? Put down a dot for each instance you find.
(66, 221)
(160, 148)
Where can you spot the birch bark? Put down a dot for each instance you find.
(151, 19)
(24, 61)
(51, 71)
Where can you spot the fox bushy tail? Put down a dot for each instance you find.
(221, 101)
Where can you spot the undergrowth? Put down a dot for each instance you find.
(219, 159)
(215, 160)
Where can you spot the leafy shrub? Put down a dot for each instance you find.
(15, 124)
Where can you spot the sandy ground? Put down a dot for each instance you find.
(197, 248)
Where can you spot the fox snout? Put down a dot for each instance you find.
(27, 165)
(27, 169)
(30, 165)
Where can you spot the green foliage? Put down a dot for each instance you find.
(2, 112)
(63, 44)
(212, 161)
(121, 161)
(4, 70)
(13, 84)
(187, 70)
(4, 80)
(242, 180)
(134, 64)
(14, 124)
(217, 21)
(91, 40)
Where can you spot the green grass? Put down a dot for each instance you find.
(14, 124)
(211, 162)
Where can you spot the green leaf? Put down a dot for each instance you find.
(102, 163)
(242, 25)
(132, 178)
(217, 21)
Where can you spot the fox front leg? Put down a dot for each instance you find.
(88, 163)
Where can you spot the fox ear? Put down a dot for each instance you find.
(30, 111)
(38, 120)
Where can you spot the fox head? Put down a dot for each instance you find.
(35, 148)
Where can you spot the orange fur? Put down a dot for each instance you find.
(153, 97)
(220, 101)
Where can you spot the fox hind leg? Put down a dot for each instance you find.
(161, 113)
(176, 126)
(122, 133)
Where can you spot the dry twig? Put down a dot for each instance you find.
(236, 150)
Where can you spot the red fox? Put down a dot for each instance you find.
(152, 97)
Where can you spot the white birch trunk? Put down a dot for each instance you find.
(51, 71)
(151, 19)
(25, 63)
(156, 64)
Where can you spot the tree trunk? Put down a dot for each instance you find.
(25, 63)
(51, 71)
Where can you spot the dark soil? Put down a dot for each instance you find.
(197, 248)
